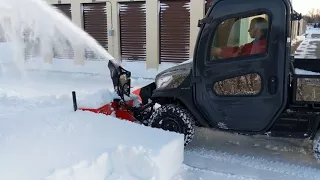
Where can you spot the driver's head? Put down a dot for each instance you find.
(258, 27)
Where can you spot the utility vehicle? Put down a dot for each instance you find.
(249, 94)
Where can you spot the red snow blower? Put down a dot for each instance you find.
(121, 108)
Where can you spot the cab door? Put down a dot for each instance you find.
(246, 92)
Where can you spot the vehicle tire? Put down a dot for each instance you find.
(316, 146)
(176, 118)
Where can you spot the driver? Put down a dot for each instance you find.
(257, 31)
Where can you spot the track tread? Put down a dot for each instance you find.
(181, 113)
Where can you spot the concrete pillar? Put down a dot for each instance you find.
(77, 19)
(47, 46)
(110, 24)
(113, 19)
(76, 13)
(197, 12)
(152, 20)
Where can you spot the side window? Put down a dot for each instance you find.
(243, 36)
(248, 85)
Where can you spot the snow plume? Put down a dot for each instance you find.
(35, 30)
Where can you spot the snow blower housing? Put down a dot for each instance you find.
(250, 89)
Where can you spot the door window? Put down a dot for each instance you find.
(237, 37)
(245, 85)
(243, 36)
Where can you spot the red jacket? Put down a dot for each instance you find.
(250, 48)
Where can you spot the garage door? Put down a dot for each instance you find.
(63, 49)
(95, 24)
(64, 8)
(208, 4)
(174, 30)
(133, 30)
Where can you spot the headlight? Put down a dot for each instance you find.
(171, 79)
(163, 81)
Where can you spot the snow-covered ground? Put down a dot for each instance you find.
(308, 46)
(41, 137)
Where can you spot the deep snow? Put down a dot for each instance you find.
(42, 138)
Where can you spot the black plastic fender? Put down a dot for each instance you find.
(182, 95)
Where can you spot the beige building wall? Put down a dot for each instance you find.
(197, 11)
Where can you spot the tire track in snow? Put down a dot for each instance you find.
(207, 174)
(246, 166)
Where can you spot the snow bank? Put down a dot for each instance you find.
(96, 99)
(301, 38)
(298, 39)
(44, 140)
(187, 61)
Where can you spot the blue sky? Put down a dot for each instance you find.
(303, 6)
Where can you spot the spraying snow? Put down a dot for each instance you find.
(33, 28)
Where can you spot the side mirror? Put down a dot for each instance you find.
(296, 17)
(199, 21)
(204, 21)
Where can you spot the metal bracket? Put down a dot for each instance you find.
(111, 32)
(296, 17)
(204, 21)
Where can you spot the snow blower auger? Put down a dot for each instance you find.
(127, 108)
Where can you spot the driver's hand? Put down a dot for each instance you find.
(215, 51)
(239, 50)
